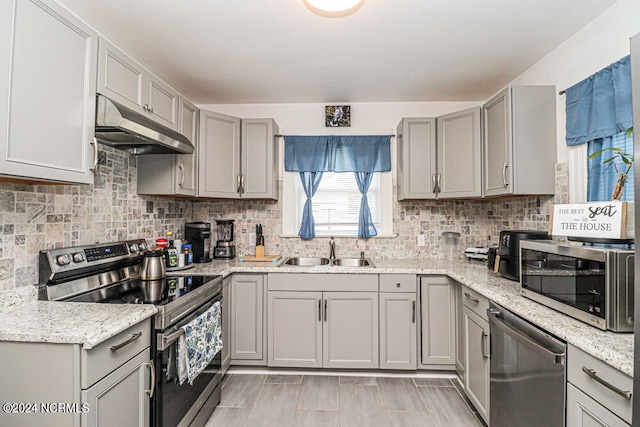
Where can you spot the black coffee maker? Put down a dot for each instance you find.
(199, 235)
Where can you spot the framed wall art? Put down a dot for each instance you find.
(337, 115)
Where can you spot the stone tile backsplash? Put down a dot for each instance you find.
(33, 217)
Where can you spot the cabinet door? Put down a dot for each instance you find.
(162, 101)
(438, 320)
(226, 319)
(398, 336)
(246, 317)
(476, 381)
(259, 159)
(218, 156)
(498, 172)
(583, 411)
(460, 340)
(186, 164)
(122, 397)
(459, 158)
(294, 322)
(350, 330)
(416, 146)
(120, 77)
(48, 60)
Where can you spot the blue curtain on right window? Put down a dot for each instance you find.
(599, 112)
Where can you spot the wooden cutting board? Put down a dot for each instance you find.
(266, 258)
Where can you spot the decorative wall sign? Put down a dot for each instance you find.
(603, 220)
(337, 115)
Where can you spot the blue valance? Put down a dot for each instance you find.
(600, 105)
(337, 153)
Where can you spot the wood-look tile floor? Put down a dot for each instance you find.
(313, 400)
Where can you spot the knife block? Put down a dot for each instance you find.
(260, 251)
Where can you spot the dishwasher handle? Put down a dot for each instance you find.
(495, 319)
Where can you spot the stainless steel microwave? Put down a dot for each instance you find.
(592, 284)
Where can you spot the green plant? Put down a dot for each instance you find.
(619, 155)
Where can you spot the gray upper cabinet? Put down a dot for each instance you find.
(459, 155)
(219, 156)
(127, 82)
(416, 157)
(237, 158)
(440, 157)
(48, 61)
(173, 174)
(520, 141)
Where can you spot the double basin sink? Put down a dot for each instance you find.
(318, 262)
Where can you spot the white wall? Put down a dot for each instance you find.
(601, 42)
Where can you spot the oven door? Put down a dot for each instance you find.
(175, 404)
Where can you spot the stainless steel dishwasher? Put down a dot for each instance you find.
(527, 376)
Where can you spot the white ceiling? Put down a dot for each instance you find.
(277, 51)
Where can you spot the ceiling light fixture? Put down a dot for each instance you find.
(333, 8)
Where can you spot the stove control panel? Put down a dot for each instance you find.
(63, 262)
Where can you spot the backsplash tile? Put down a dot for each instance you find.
(33, 217)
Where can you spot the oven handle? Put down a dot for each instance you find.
(170, 338)
(152, 368)
(494, 320)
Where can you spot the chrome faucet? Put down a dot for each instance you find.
(332, 249)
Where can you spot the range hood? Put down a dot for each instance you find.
(123, 128)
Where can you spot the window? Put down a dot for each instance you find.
(602, 178)
(336, 204)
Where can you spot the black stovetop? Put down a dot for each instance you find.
(136, 291)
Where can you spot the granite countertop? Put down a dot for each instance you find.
(616, 349)
(23, 318)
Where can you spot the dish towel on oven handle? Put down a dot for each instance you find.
(201, 341)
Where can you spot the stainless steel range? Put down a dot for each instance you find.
(110, 273)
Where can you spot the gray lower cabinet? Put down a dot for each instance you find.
(107, 385)
(116, 400)
(323, 329)
(438, 326)
(597, 393)
(48, 60)
(520, 141)
(173, 174)
(226, 319)
(460, 340)
(476, 380)
(398, 331)
(247, 326)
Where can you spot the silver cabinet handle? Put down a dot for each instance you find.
(319, 310)
(413, 312)
(483, 344)
(438, 182)
(504, 173)
(238, 183)
(151, 109)
(593, 374)
(469, 297)
(397, 284)
(133, 337)
(241, 183)
(325, 310)
(181, 167)
(152, 368)
(94, 168)
(434, 184)
(145, 107)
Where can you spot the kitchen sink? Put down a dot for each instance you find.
(316, 262)
(353, 262)
(306, 262)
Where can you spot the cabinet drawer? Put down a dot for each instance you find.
(584, 411)
(476, 302)
(397, 283)
(321, 282)
(577, 360)
(114, 352)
